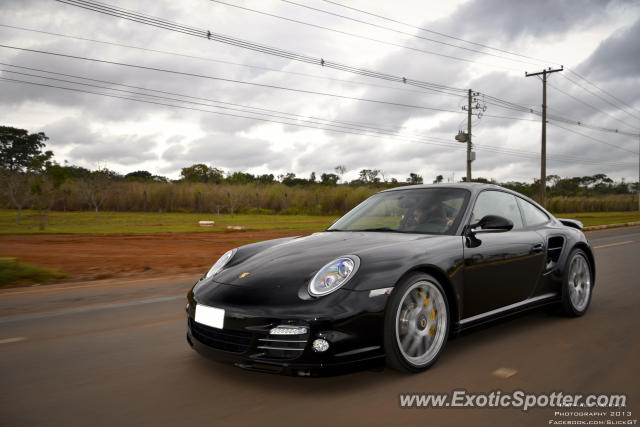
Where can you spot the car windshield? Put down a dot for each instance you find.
(424, 210)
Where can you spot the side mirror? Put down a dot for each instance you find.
(491, 224)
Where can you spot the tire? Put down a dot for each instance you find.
(416, 324)
(577, 284)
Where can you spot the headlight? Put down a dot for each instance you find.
(224, 259)
(333, 275)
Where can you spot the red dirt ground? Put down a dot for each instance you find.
(92, 257)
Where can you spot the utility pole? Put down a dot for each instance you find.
(469, 111)
(543, 159)
(479, 108)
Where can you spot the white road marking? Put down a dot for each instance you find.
(504, 373)
(10, 340)
(614, 244)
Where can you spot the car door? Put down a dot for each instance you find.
(500, 268)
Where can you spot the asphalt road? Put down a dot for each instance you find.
(109, 353)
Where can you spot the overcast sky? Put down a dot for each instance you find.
(598, 39)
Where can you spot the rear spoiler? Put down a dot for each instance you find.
(571, 223)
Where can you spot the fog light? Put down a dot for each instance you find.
(320, 345)
(288, 330)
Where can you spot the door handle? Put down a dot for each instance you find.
(537, 248)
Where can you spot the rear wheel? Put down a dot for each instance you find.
(577, 284)
(416, 323)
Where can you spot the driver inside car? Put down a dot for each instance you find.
(429, 217)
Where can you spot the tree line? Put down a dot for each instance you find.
(32, 179)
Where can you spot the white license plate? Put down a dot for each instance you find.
(210, 316)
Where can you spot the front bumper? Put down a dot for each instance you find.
(355, 337)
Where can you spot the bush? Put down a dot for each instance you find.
(12, 271)
(310, 199)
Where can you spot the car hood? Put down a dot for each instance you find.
(294, 262)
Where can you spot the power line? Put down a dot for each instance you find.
(487, 47)
(521, 108)
(243, 108)
(593, 139)
(322, 27)
(509, 118)
(147, 20)
(250, 83)
(500, 150)
(588, 105)
(358, 125)
(163, 70)
(604, 91)
(166, 24)
(436, 32)
(206, 34)
(272, 121)
(397, 31)
(141, 18)
(207, 111)
(496, 49)
(600, 97)
(258, 67)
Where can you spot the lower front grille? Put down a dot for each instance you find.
(283, 347)
(226, 340)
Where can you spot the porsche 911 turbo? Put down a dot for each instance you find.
(389, 282)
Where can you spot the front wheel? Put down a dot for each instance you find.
(577, 284)
(416, 323)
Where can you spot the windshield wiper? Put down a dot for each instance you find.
(378, 229)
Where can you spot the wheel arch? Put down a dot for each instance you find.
(444, 280)
(592, 262)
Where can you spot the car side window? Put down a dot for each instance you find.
(532, 215)
(497, 203)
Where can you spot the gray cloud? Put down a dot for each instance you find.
(505, 20)
(71, 118)
(617, 57)
(225, 151)
(91, 148)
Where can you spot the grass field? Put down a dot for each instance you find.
(12, 271)
(601, 218)
(146, 222)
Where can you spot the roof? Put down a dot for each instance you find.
(473, 186)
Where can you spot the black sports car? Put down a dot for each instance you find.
(391, 280)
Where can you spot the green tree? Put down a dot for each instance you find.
(97, 186)
(21, 151)
(340, 170)
(139, 176)
(414, 179)
(329, 179)
(22, 160)
(76, 172)
(240, 178)
(202, 173)
(370, 176)
(265, 179)
(438, 179)
(289, 179)
(44, 189)
(17, 186)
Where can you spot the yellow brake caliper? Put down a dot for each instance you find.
(432, 314)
